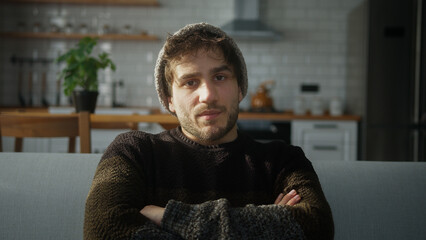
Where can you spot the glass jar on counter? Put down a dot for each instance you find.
(299, 106)
(83, 29)
(317, 106)
(336, 107)
(68, 29)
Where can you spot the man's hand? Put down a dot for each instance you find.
(153, 213)
(290, 198)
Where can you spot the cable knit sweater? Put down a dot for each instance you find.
(210, 192)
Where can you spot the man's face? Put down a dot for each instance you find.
(205, 97)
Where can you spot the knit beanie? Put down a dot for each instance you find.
(160, 79)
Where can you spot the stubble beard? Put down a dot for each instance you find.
(213, 133)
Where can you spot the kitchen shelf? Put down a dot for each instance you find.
(109, 2)
(138, 37)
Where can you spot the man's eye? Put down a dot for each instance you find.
(190, 83)
(219, 77)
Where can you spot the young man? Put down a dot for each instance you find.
(204, 179)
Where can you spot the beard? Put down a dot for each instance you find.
(213, 132)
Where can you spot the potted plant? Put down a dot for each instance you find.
(81, 73)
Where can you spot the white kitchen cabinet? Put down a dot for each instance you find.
(326, 140)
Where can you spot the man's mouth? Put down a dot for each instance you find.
(209, 114)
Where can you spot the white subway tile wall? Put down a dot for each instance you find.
(323, 42)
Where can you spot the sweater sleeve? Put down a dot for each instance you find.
(217, 220)
(114, 202)
(117, 195)
(313, 212)
(309, 219)
(112, 206)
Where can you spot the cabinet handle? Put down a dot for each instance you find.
(325, 125)
(325, 148)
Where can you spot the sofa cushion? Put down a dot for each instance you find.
(375, 200)
(42, 195)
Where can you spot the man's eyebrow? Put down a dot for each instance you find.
(189, 75)
(220, 69)
(212, 71)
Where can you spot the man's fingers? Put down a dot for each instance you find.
(287, 197)
(153, 213)
(293, 200)
(290, 198)
(279, 198)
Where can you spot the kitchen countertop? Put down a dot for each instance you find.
(289, 116)
(127, 115)
(169, 121)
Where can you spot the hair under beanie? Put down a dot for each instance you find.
(160, 79)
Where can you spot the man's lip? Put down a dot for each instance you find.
(209, 113)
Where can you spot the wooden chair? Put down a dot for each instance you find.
(27, 124)
(115, 125)
(113, 121)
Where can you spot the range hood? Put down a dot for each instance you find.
(247, 24)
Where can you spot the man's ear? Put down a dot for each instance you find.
(171, 106)
(240, 96)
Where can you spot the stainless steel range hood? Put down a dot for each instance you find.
(247, 24)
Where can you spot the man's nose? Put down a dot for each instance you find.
(207, 92)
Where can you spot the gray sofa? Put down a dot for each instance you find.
(42, 196)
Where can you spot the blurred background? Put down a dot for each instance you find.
(366, 55)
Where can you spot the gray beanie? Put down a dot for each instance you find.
(160, 79)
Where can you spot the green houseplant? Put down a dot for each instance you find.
(81, 73)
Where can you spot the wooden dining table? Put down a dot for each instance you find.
(168, 121)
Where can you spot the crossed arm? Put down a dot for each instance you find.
(304, 214)
(116, 208)
(156, 213)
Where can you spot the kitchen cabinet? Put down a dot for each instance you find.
(326, 140)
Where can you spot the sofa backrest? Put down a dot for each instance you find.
(42, 196)
(375, 200)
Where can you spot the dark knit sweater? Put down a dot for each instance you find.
(210, 192)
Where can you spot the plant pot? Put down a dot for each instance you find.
(85, 100)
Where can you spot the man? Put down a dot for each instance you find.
(204, 179)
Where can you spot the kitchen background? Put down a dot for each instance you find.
(323, 42)
(323, 47)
